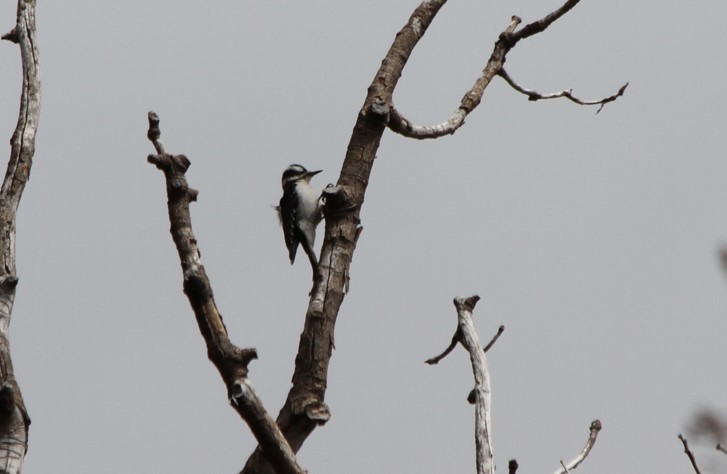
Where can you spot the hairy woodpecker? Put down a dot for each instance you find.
(300, 212)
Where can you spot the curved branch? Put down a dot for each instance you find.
(533, 95)
(229, 360)
(508, 39)
(592, 435)
(14, 420)
(399, 124)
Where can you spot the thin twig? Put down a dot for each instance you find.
(564, 467)
(568, 93)
(689, 453)
(492, 342)
(592, 435)
(455, 339)
(721, 448)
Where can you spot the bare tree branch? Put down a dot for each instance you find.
(721, 448)
(494, 339)
(305, 408)
(399, 124)
(508, 39)
(14, 419)
(541, 25)
(483, 430)
(453, 343)
(592, 435)
(689, 454)
(533, 95)
(455, 339)
(229, 360)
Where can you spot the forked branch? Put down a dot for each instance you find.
(457, 338)
(494, 66)
(229, 360)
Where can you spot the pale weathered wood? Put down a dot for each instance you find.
(592, 436)
(14, 420)
(483, 392)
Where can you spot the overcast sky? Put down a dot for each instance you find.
(592, 238)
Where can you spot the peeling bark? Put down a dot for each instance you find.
(14, 420)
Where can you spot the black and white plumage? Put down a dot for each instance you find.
(300, 211)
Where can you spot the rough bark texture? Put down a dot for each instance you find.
(305, 406)
(229, 360)
(14, 420)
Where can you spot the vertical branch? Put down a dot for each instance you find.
(14, 420)
(471, 342)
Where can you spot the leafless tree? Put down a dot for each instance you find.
(14, 420)
(305, 407)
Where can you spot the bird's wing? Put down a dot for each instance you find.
(286, 212)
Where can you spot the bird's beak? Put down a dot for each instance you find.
(310, 174)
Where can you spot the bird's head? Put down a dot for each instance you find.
(295, 173)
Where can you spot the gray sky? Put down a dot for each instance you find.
(592, 238)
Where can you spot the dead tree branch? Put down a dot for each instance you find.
(305, 407)
(592, 435)
(568, 94)
(494, 339)
(689, 454)
(453, 343)
(14, 420)
(229, 360)
(721, 448)
(494, 66)
(483, 430)
(456, 338)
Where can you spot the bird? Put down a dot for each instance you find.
(300, 211)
